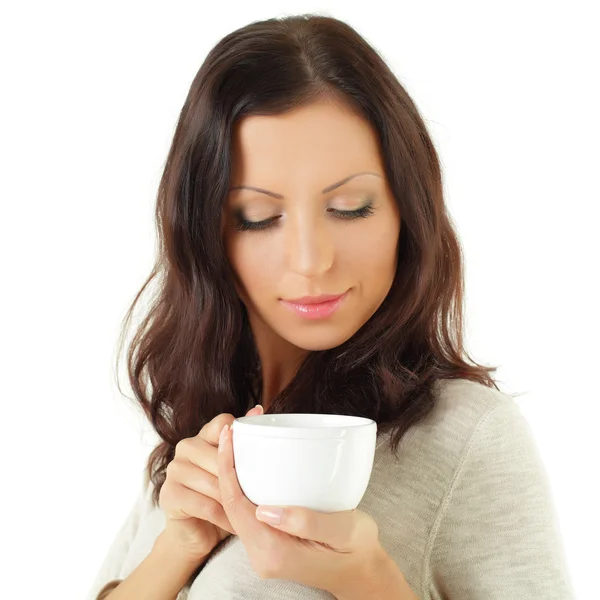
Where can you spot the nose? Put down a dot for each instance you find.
(309, 247)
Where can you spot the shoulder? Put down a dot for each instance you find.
(472, 431)
(462, 409)
(488, 455)
(497, 521)
(463, 405)
(473, 422)
(491, 440)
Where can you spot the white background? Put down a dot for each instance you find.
(90, 96)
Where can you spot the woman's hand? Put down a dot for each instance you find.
(190, 496)
(337, 552)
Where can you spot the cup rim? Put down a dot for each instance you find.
(350, 426)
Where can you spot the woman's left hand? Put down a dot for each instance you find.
(338, 552)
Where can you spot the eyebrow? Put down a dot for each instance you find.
(329, 188)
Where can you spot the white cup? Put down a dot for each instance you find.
(321, 462)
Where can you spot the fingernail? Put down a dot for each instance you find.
(261, 408)
(223, 436)
(271, 515)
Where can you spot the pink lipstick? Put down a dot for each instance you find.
(316, 307)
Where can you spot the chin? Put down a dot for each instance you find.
(318, 340)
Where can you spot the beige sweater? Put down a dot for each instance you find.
(466, 512)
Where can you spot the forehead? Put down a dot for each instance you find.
(320, 138)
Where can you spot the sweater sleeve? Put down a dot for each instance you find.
(497, 534)
(109, 574)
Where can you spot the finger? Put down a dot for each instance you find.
(193, 504)
(239, 510)
(199, 452)
(257, 410)
(210, 432)
(341, 530)
(198, 479)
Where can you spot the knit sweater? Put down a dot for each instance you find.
(465, 511)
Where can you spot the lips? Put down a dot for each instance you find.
(315, 299)
(314, 307)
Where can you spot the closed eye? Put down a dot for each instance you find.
(363, 212)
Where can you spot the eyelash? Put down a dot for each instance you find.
(363, 212)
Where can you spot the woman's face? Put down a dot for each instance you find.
(301, 236)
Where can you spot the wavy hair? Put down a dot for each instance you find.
(193, 355)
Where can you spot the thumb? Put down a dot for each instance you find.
(343, 530)
(257, 410)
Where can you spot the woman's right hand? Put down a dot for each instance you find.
(196, 521)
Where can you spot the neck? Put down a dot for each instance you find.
(279, 360)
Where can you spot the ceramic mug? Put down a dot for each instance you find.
(321, 462)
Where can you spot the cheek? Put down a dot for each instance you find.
(371, 252)
(256, 262)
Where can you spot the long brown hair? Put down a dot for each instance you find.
(193, 356)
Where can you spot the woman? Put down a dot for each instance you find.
(307, 263)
